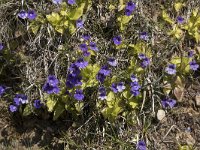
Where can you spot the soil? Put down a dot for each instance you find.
(181, 125)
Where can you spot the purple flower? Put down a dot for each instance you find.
(100, 77)
(20, 99)
(79, 23)
(190, 53)
(37, 104)
(135, 86)
(52, 80)
(128, 12)
(86, 53)
(74, 70)
(171, 69)
(134, 78)
(86, 37)
(130, 5)
(120, 87)
(73, 80)
(13, 108)
(114, 88)
(135, 93)
(112, 62)
(57, 1)
(193, 65)
(102, 93)
(145, 62)
(51, 85)
(141, 56)
(93, 46)
(79, 95)
(1, 46)
(80, 63)
(83, 47)
(168, 102)
(22, 14)
(104, 70)
(144, 36)
(117, 40)
(32, 14)
(2, 90)
(51, 89)
(180, 19)
(71, 2)
(17, 101)
(141, 145)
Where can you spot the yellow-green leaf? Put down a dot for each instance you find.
(76, 13)
(50, 104)
(59, 108)
(79, 106)
(59, 29)
(27, 110)
(54, 18)
(111, 7)
(110, 99)
(166, 17)
(133, 104)
(34, 26)
(176, 31)
(176, 60)
(121, 5)
(178, 6)
(125, 19)
(167, 87)
(72, 28)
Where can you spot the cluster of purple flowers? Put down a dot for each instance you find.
(74, 77)
(51, 85)
(145, 61)
(118, 87)
(92, 46)
(19, 99)
(31, 14)
(193, 64)
(84, 47)
(168, 102)
(135, 87)
(130, 7)
(103, 72)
